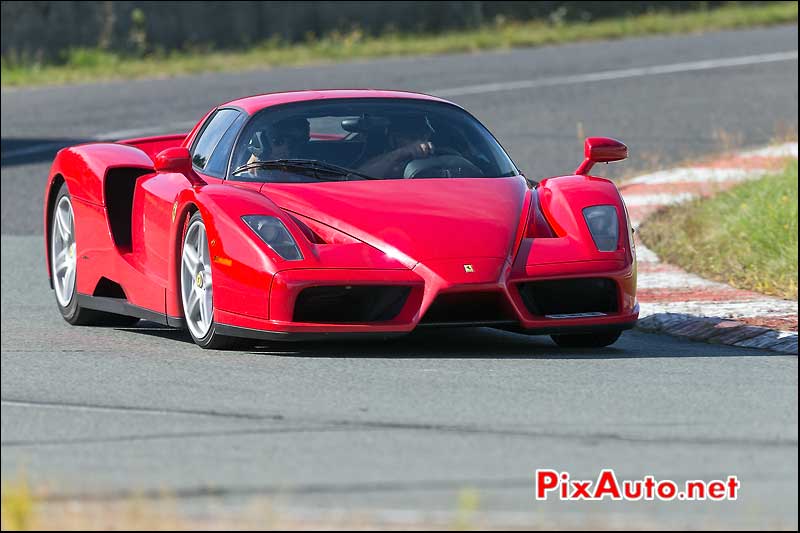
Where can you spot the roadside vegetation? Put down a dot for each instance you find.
(87, 65)
(746, 236)
(21, 510)
(16, 506)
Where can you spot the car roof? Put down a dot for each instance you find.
(255, 103)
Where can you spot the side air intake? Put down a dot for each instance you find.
(120, 184)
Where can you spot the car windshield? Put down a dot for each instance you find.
(368, 138)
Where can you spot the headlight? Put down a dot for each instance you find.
(275, 235)
(603, 225)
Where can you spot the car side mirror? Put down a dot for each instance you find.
(601, 150)
(177, 159)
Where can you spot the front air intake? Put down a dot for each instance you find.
(350, 303)
(469, 308)
(570, 296)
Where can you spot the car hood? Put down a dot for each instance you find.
(415, 220)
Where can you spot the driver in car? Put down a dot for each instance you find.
(408, 139)
(285, 139)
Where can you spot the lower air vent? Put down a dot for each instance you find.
(570, 296)
(109, 289)
(350, 304)
(468, 308)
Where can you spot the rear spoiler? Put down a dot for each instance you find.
(153, 145)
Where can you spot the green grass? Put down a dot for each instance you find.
(746, 236)
(85, 65)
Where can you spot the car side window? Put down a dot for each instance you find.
(211, 135)
(218, 162)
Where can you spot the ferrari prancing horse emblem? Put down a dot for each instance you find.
(468, 269)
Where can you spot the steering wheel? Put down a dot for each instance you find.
(438, 150)
(442, 166)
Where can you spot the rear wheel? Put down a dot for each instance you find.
(64, 269)
(587, 340)
(197, 289)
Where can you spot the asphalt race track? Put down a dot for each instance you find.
(407, 425)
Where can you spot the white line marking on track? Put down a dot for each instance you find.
(95, 408)
(606, 75)
(35, 149)
(174, 127)
(177, 127)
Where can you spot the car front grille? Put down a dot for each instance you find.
(469, 308)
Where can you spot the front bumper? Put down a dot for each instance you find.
(490, 295)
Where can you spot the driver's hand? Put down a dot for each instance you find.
(253, 172)
(421, 150)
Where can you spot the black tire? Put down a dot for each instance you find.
(73, 313)
(587, 340)
(211, 340)
(214, 341)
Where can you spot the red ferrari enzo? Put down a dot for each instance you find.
(326, 214)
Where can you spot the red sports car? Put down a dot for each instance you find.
(328, 214)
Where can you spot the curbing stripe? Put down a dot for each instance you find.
(658, 199)
(645, 255)
(679, 303)
(664, 280)
(785, 342)
(778, 151)
(681, 294)
(696, 175)
(715, 330)
(726, 309)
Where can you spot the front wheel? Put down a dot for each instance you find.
(587, 340)
(197, 289)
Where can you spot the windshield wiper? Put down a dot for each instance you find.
(313, 165)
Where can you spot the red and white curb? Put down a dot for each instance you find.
(676, 302)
